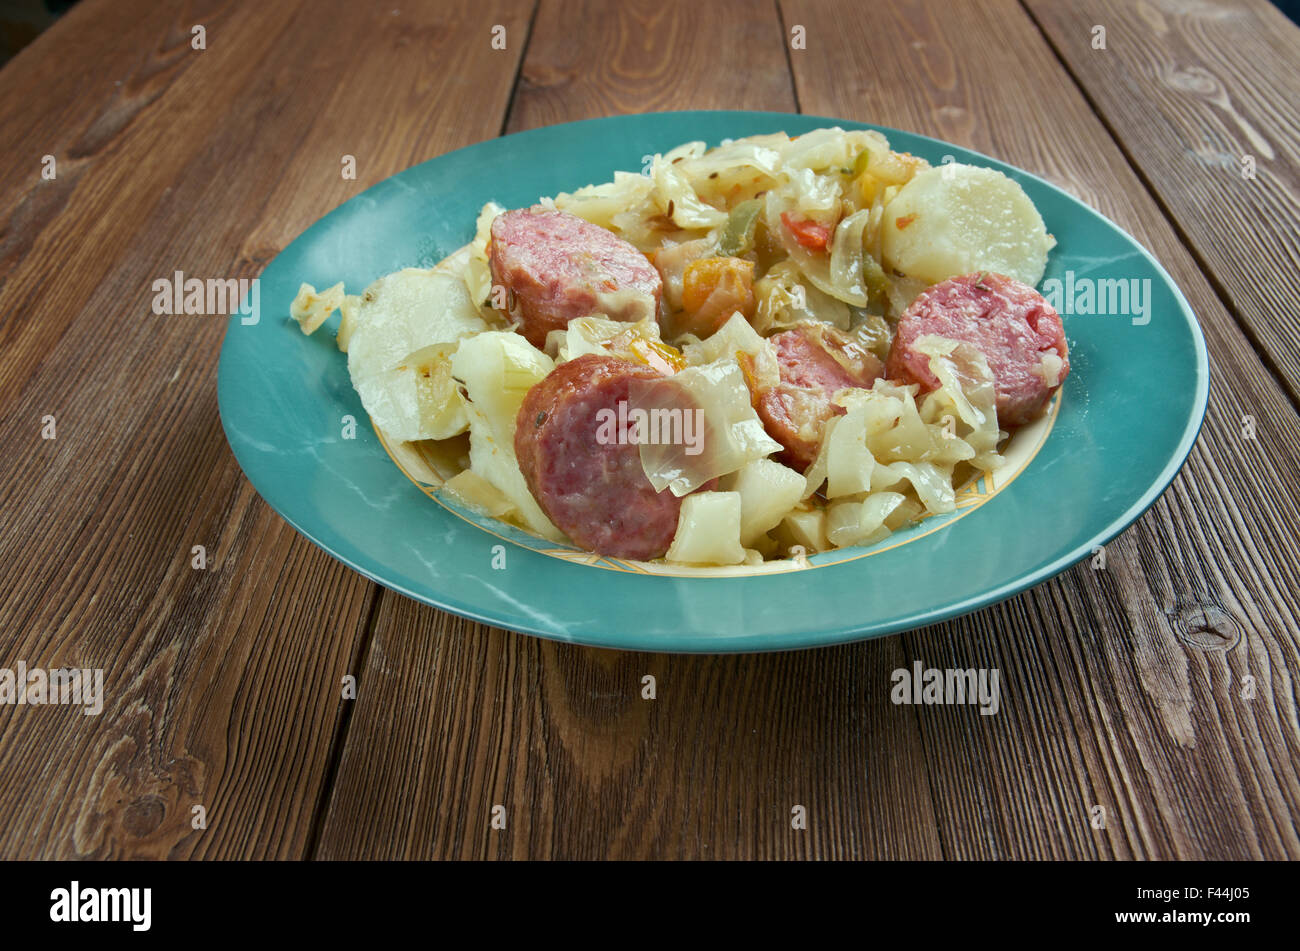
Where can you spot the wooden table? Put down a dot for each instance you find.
(1162, 688)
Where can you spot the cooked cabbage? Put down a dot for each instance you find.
(731, 433)
(475, 492)
(966, 391)
(847, 256)
(784, 300)
(595, 334)
(814, 265)
(477, 272)
(735, 171)
(673, 192)
(884, 443)
(311, 308)
(440, 404)
(498, 368)
(735, 337)
(823, 149)
(602, 204)
(861, 522)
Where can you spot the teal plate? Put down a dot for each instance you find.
(1125, 421)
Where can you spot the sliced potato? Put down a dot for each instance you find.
(806, 527)
(708, 530)
(400, 314)
(767, 490)
(958, 219)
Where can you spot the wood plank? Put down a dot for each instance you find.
(223, 685)
(648, 56)
(1123, 686)
(1191, 91)
(454, 718)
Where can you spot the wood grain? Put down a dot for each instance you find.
(454, 718)
(588, 59)
(1125, 684)
(1205, 99)
(222, 685)
(1122, 688)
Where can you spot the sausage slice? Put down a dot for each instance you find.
(795, 411)
(595, 492)
(558, 267)
(1017, 330)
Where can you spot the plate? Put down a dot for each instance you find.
(1122, 425)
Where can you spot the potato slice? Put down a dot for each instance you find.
(768, 491)
(957, 219)
(708, 530)
(806, 527)
(400, 314)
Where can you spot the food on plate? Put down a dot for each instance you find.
(958, 219)
(795, 411)
(771, 348)
(555, 267)
(586, 477)
(1012, 325)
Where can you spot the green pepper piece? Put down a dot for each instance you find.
(876, 281)
(861, 162)
(738, 233)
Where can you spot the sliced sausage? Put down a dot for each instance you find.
(557, 267)
(795, 411)
(1017, 330)
(596, 492)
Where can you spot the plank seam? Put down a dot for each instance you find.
(339, 742)
(789, 63)
(519, 69)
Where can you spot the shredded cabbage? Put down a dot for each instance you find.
(672, 190)
(884, 440)
(847, 257)
(714, 404)
(737, 170)
(823, 149)
(498, 368)
(861, 523)
(814, 265)
(478, 273)
(965, 391)
(595, 334)
(784, 301)
(734, 337)
(603, 204)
